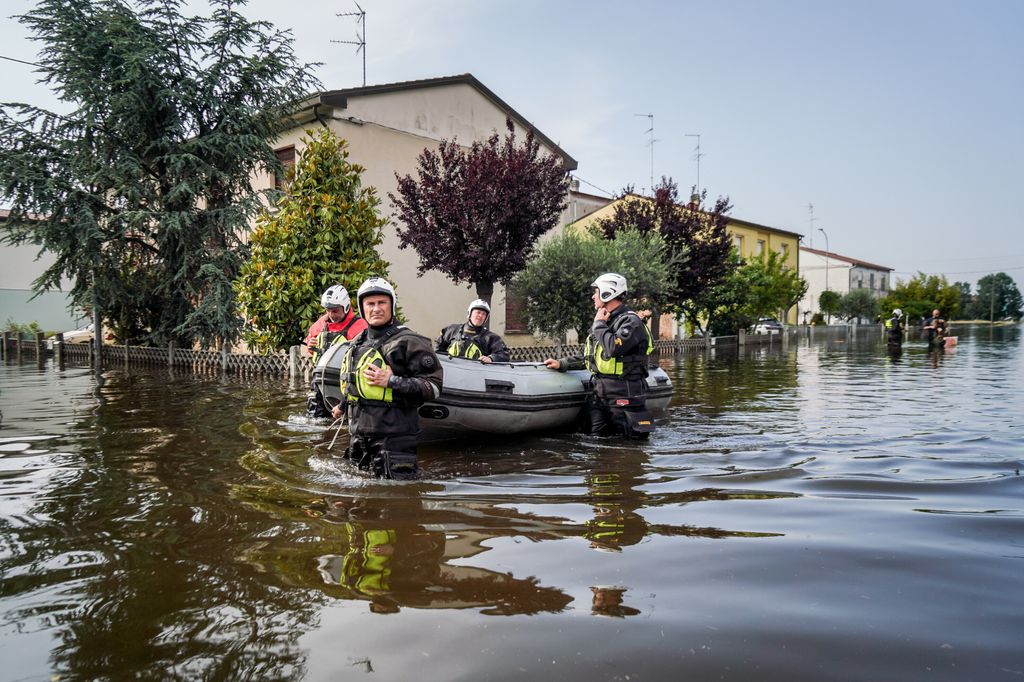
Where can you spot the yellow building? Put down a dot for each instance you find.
(751, 240)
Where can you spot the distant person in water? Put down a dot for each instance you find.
(894, 331)
(935, 330)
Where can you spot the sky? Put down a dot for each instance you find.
(900, 121)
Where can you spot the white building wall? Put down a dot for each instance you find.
(821, 274)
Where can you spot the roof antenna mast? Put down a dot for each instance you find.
(810, 210)
(650, 118)
(361, 35)
(697, 156)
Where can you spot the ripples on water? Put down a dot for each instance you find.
(820, 511)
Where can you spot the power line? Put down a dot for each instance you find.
(20, 61)
(960, 272)
(593, 185)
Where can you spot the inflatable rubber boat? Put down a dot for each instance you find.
(495, 398)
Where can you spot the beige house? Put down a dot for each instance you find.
(387, 127)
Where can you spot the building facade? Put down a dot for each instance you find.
(829, 271)
(751, 240)
(20, 266)
(387, 127)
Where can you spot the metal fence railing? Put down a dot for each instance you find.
(297, 364)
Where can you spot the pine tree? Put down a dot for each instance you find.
(143, 191)
(325, 231)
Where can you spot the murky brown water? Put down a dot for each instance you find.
(819, 512)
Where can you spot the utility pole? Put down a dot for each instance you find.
(361, 35)
(992, 304)
(650, 118)
(697, 156)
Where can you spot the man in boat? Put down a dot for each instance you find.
(472, 339)
(338, 323)
(894, 331)
(616, 353)
(387, 373)
(935, 330)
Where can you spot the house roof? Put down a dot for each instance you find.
(729, 218)
(339, 98)
(796, 235)
(852, 261)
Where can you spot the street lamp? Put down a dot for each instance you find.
(826, 265)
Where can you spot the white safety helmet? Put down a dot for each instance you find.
(897, 313)
(376, 285)
(336, 296)
(610, 285)
(478, 303)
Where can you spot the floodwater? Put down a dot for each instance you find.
(816, 512)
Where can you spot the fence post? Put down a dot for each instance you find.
(293, 362)
(170, 355)
(6, 350)
(126, 357)
(58, 350)
(40, 353)
(18, 341)
(224, 358)
(741, 338)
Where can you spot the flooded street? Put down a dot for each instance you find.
(820, 511)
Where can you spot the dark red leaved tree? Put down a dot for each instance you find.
(475, 214)
(697, 240)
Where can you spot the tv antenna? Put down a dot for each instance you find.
(361, 35)
(697, 157)
(810, 211)
(650, 118)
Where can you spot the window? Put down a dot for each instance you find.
(881, 286)
(760, 247)
(783, 250)
(515, 313)
(286, 156)
(871, 280)
(737, 241)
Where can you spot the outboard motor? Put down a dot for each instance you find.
(325, 387)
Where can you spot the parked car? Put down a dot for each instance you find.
(767, 325)
(80, 335)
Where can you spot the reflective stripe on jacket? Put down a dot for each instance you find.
(602, 365)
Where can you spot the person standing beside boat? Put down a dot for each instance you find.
(472, 339)
(338, 322)
(935, 330)
(616, 353)
(387, 373)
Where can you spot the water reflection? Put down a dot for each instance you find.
(812, 499)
